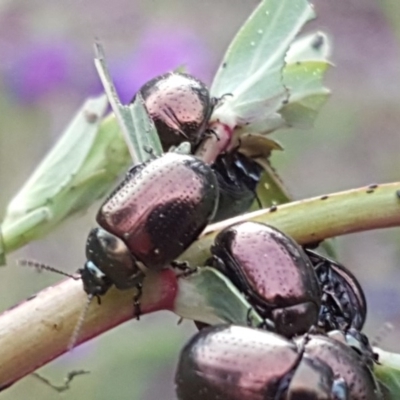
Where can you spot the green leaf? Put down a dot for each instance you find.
(313, 47)
(88, 158)
(208, 296)
(139, 130)
(271, 190)
(62, 163)
(388, 373)
(79, 169)
(304, 80)
(252, 67)
(144, 136)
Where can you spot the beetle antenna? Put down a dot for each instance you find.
(40, 266)
(62, 388)
(79, 323)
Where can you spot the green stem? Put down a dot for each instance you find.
(318, 218)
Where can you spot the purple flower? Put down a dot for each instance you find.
(160, 51)
(40, 68)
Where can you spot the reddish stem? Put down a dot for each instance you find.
(38, 330)
(216, 143)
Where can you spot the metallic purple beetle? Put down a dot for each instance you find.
(180, 106)
(236, 363)
(158, 210)
(273, 272)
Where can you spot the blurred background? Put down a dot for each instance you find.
(46, 72)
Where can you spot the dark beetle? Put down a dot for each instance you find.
(149, 220)
(274, 273)
(359, 342)
(343, 300)
(180, 106)
(237, 363)
(346, 362)
(238, 177)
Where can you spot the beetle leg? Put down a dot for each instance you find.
(266, 324)
(218, 264)
(183, 267)
(217, 101)
(334, 320)
(136, 301)
(211, 132)
(340, 390)
(249, 321)
(67, 381)
(314, 330)
(258, 200)
(149, 150)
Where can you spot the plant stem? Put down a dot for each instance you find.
(315, 219)
(38, 330)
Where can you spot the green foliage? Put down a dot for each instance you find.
(275, 81)
(252, 69)
(81, 168)
(209, 297)
(388, 373)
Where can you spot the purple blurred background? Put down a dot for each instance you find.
(46, 72)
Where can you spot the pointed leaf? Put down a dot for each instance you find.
(208, 296)
(252, 67)
(304, 81)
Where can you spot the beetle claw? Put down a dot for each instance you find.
(184, 268)
(136, 301)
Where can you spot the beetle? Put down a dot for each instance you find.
(238, 177)
(236, 362)
(359, 342)
(272, 271)
(154, 214)
(351, 362)
(157, 211)
(180, 106)
(343, 301)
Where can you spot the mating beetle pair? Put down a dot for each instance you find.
(172, 194)
(161, 206)
(235, 363)
(282, 283)
(180, 106)
(288, 291)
